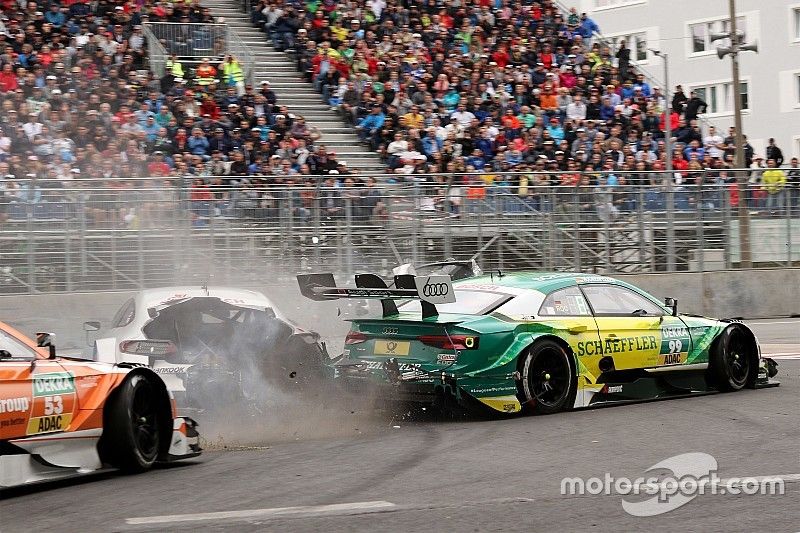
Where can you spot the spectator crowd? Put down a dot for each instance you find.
(469, 89)
(489, 86)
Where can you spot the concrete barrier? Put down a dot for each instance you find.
(733, 293)
(760, 293)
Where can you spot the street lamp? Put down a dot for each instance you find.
(736, 46)
(668, 164)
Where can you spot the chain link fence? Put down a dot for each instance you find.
(130, 234)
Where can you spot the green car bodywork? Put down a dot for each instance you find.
(474, 349)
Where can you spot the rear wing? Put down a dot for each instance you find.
(430, 290)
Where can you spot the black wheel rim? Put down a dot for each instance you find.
(549, 376)
(737, 358)
(144, 420)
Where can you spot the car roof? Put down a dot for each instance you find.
(544, 282)
(152, 297)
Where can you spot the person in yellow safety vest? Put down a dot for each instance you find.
(205, 74)
(174, 67)
(232, 73)
(773, 180)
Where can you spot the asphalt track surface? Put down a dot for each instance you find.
(383, 474)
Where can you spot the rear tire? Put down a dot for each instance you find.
(547, 378)
(132, 434)
(730, 361)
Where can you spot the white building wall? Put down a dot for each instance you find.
(773, 74)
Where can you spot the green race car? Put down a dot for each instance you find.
(534, 341)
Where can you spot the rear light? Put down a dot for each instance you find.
(453, 342)
(148, 347)
(355, 337)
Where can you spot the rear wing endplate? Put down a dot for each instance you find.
(430, 290)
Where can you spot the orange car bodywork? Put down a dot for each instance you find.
(43, 396)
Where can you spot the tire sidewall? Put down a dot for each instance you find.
(125, 449)
(528, 398)
(719, 362)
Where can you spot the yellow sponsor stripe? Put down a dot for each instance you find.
(49, 424)
(392, 347)
(504, 404)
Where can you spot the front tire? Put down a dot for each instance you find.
(132, 434)
(731, 360)
(547, 378)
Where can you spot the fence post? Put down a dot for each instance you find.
(576, 238)
(701, 249)
(317, 231)
(787, 199)
(448, 235)
(640, 223)
(348, 220)
(140, 250)
(726, 226)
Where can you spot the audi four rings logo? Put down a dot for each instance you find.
(435, 289)
(390, 331)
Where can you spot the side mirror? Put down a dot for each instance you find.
(46, 339)
(89, 327)
(672, 303)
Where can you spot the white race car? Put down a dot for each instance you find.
(213, 346)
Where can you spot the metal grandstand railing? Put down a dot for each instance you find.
(156, 53)
(124, 234)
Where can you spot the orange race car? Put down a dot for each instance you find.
(62, 417)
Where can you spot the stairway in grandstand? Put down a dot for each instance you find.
(293, 91)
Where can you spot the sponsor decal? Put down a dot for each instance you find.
(171, 369)
(509, 407)
(15, 405)
(392, 347)
(435, 289)
(492, 389)
(54, 383)
(49, 424)
(617, 345)
(12, 422)
(446, 358)
(88, 382)
(674, 332)
(674, 345)
(611, 389)
(54, 400)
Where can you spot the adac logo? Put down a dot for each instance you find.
(53, 383)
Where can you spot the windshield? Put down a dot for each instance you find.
(468, 302)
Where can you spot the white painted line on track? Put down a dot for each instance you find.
(276, 512)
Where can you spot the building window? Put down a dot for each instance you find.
(719, 97)
(796, 23)
(701, 33)
(797, 89)
(636, 42)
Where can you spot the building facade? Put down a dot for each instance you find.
(770, 79)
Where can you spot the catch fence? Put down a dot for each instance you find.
(130, 234)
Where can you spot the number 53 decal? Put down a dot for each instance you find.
(53, 405)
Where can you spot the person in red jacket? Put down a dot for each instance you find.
(209, 107)
(8, 79)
